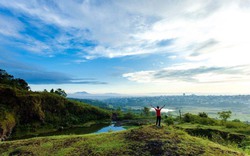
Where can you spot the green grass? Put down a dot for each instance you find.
(237, 138)
(144, 140)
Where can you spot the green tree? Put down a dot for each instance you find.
(224, 115)
(8, 79)
(169, 120)
(21, 83)
(146, 111)
(61, 92)
(203, 115)
(5, 78)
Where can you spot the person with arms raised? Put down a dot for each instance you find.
(158, 115)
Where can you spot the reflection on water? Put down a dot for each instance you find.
(163, 110)
(98, 128)
(110, 128)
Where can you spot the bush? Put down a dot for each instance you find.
(198, 119)
(129, 115)
(203, 115)
(224, 115)
(236, 120)
(169, 121)
(188, 117)
(233, 124)
(207, 121)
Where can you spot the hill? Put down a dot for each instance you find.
(23, 109)
(94, 103)
(145, 140)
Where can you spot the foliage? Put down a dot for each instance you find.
(169, 120)
(52, 90)
(61, 92)
(126, 115)
(146, 111)
(236, 120)
(197, 119)
(224, 115)
(146, 140)
(9, 80)
(34, 109)
(233, 124)
(203, 115)
(58, 91)
(7, 122)
(94, 102)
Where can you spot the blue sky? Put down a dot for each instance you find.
(128, 47)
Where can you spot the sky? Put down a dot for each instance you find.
(128, 46)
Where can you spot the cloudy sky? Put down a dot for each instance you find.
(128, 46)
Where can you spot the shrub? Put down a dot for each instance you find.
(129, 115)
(236, 120)
(198, 119)
(169, 120)
(207, 121)
(235, 125)
(188, 117)
(224, 115)
(203, 115)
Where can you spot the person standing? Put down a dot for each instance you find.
(158, 115)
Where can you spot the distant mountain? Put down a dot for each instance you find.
(86, 95)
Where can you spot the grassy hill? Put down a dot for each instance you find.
(145, 140)
(22, 110)
(25, 109)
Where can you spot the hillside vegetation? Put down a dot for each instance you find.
(30, 110)
(146, 140)
(23, 109)
(187, 134)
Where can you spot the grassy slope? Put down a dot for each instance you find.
(146, 140)
(33, 110)
(239, 136)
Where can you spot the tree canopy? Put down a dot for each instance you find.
(224, 115)
(59, 91)
(9, 80)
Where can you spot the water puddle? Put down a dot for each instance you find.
(98, 128)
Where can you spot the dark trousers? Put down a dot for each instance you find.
(158, 120)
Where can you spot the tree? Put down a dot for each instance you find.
(9, 80)
(224, 115)
(203, 115)
(5, 78)
(21, 83)
(146, 111)
(61, 92)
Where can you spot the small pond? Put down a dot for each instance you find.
(97, 128)
(110, 128)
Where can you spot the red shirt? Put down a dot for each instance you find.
(158, 112)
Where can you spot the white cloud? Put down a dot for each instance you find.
(190, 73)
(10, 26)
(122, 28)
(215, 33)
